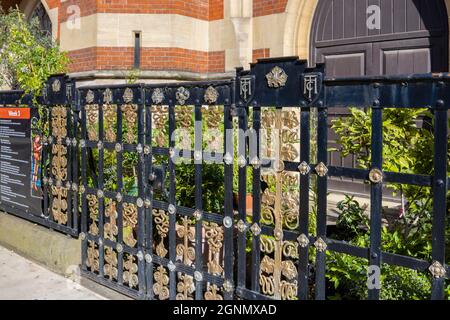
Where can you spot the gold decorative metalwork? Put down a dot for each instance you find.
(376, 176)
(437, 270)
(93, 214)
(128, 95)
(158, 96)
(211, 95)
(161, 219)
(212, 293)
(107, 96)
(59, 122)
(56, 85)
(93, 255)
(320, 245)
(59, 204)
(59, 165)
(214, 237)
(110, 228)
(130, 275)
(111, 262)
(304, 168)
(184, 116)
(90, 97)
(160, 287)
(186, 232)
(159, 118)
(214, 116)
(303, 240)
(276, 78)
(182, 95)
(321, 170)
(280, 206)
(130, 117)
(109, 113)
(92, 121)
(130, 220)
(185, 287)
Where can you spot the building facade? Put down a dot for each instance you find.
(199, 39)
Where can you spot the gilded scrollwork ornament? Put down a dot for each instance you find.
(130, 117)
(130, 274)
(161, 219)
(59, 204)
(186, 232)
(130, 220)
(109, 113)
(184, 116)
(214, 237)
(160, 117)
(110, 228)
(59, 122)
(185, 287)
(92, 121)
(280, 208)
(160, 287)
(213, 293)
(93, 214)
(111, 262)
(92, 261)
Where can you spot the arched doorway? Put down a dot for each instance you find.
(411, 36)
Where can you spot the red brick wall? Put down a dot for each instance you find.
(121, 58)
(199, 9)
(267, 7)
(261, 53)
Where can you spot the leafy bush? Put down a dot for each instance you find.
(28, 55)
(407, 148)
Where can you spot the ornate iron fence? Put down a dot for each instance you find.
(58, 156)
(140, 236)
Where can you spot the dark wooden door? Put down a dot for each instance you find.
(412, 38)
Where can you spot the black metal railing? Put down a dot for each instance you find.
(150, 234)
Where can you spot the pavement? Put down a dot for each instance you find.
(22, 279)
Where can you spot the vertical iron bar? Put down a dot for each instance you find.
(75, 160)
(376, 195)
(439, 195)
(141, 191)
(172, 200)
(305, 145)
(198, 147)
(69, 167)
(228, 205)
(242, 207)
(322, 190)
(256, 190)
(149, 209)
(84, 209)
(119, 157)
(50, 171)
(101, 200)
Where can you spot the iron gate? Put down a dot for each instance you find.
(267, 131)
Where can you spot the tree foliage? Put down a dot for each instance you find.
(28, 56)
